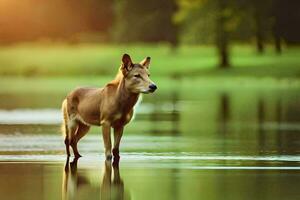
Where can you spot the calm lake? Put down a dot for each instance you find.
(192, 139)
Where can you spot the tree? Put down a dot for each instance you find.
(145, 21)
(213, 22)
(276, 26)
(222, 34)
(258, 13)
(259, 16)
(285, 20)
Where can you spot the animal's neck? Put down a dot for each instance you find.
(125, 99)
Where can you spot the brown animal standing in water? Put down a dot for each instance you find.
(109, 107)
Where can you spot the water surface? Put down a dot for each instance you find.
(191, 140)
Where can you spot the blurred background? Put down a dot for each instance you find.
(221, 54)
(228, 95)
(183, 36)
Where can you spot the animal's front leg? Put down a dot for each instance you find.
(106, 139)
(118, 132)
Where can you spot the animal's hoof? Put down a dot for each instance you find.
(78, 155)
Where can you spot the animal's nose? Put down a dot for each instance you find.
(152, 87)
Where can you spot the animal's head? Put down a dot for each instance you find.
(137, 75)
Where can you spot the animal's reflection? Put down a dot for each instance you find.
(111, 188)
(111, 183)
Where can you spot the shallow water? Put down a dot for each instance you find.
(185, 143)
(151, 167)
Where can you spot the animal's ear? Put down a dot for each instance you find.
(126, 64)
(146, 62)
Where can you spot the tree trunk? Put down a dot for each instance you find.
(222, 37)
(276, 12)
(277, 42)
(259, 34)
(224, 114)
(223, 56)
(259, 44)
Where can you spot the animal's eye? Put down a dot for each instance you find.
(148, 75)
(137, 76)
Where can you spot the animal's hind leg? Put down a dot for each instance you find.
(65, 126)
(65, 131)
(67, 144)
(81, 131)
(73, 126)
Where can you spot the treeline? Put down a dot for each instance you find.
(173, 21)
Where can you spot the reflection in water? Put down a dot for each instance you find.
(224, 113)
(147, 180)
(210, 143)
(71, 181)
(111, 188)
(263, 118)
(279, 120)
(173, 115)
(261, 121)
(111, 184)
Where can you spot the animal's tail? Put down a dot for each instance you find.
(64, 126)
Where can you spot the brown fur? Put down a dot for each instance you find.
(109, 107)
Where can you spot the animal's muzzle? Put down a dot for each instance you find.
(152, 87)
